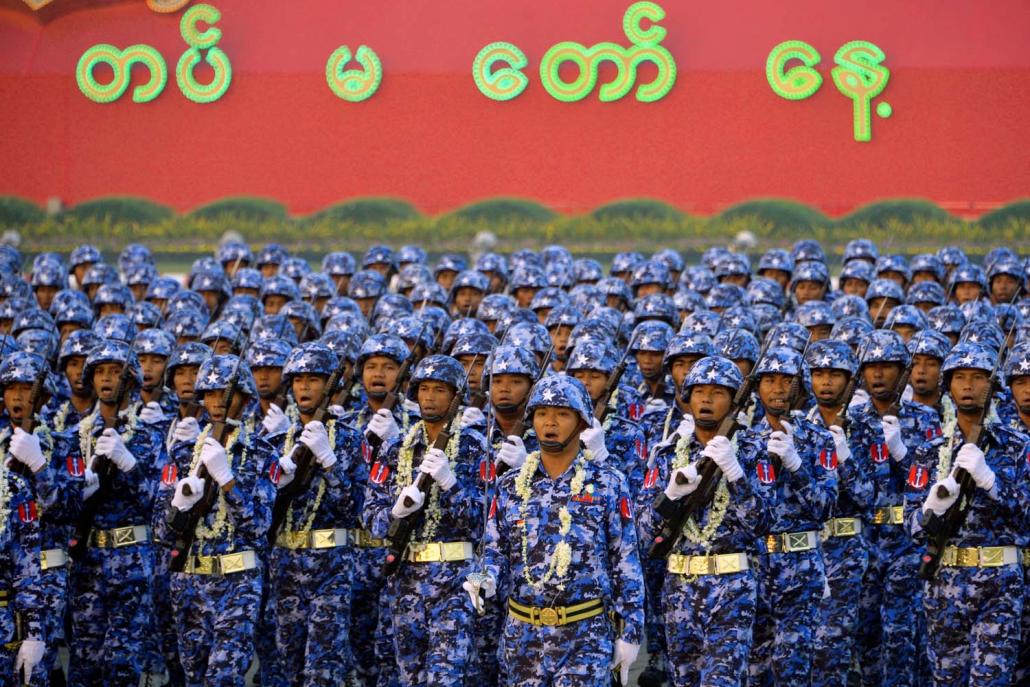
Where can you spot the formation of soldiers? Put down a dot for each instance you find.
(517, 471)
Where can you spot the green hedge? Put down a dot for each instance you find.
(776, 216)
(17, 211)
(245, 208)
(503, 210)
(1017, 213)
(903, 210)
(638, 209)
(124, 209)
(366, 211)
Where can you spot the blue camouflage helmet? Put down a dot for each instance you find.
(884, 346)
(239, 314)
(612, 318)
(947, 319)
(271, 254)
(702, 322)
(116, 327)
(780, 360)
(714, 370)
(187, 300)
(437, 318)
(925, 292)
(765, 290)
(428, 292)
(273, 327)
(998, 253)
(1011, 266)
(248, 278)
(766, 316)
(450, 262)
(186, 355)
(413, 329)
(528, 277)
(1017, 364)
(590, 330)
(79, 342)
(515, 317)
(294, 268)
(906, 316)
(587, 270)
(144, 315)
(344, 344)
(698, 278)
(410, 255)
(712, 255)
(626, 261)
(830, 354)
(929, 343)
(187, 324)
(688, 344)
(815, 314)
(776, 259)
(656, 306)
(10, 308)
(267, 353)
(280, 285)
(234, 252)
(928, 263)
(525, 256)
(439, 368)
(494, 306)
(1009, 316)
(687, 301)
(210, 280)
(340, 304)
(112, 294)
(850, 305)
(967, 355)
(66, 298)
(592, 355)
(983, 333)
(859, 270)
(860, 249)
(225, 331)
(475, 343)
(554, 253)
(737, 317)
(512, 360)
(100, 273)
(558, 274)
(163, 288)
(218, 371)
(387, 345)
(531, 335)
(315, 285)
(141, 275)
(789, 335)
(651, 336)
(134, 254)
(50, 274)
(24, 367)
(305, 312)
(884, 288)
(339, 264)
(560, 391)
(725, 296)
(586, 296)
(562, 316)
(205, 263)
(39, 341)
(32, 318)
(807, 250)
(463, 327)
(391, 306)
(731, 265)
(810, 271)
(737, 345)
(493, 264)
(154, 342)
(615, 287)
(84, 255)
(1023, 306)
(548, 297)
(893, 263)
(978, 311)
(650, 272)
(112, 351)
(670, 258)
(470, 279)
(968, 273)
(313, 358)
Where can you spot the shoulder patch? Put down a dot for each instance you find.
(275, 472)
(625, 509)
(879, 453)
(27, 511)
(918, 477)
(652, 476)
(75, 465)
(828, 459)
(379, 473)
(169, 474)
(766, 471)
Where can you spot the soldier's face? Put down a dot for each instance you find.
(298, 327)
(616, 302)
(905, 330)
(496, 281)
(553, 424)
(966, 291)
(153, 369)
(925, 306)
(379, 375)
(183, 379)
(560, 339)
(647, 289)
(308, 390)
(740, 280)
(650, 363)
(111, 309)
(73, 372)
(445, 278)
(383, 268)
(709, 404)
(745, 366)
(434, 397)
(45, 296)
(779, 276)
(969, 389)
(366, 305)
(896, 277)
(926, 374)
(774, 391)
(214, 404)
(854, 287)
(509, 391)
(475, 362)
(918, 277)
(17, 400)
(268, 269)
(828, 385)
(808, 290)
(67, 328)
(212, 299)
(680, 366)
(881, 378)
(593, 380)
(138, 291)
(1003, 288)
(231, 267)
(105, 380)
(524, 295)
(267, 380)
(466, 300)
(79, 271)
(273, 304)
(819, 332)
(1021, 394)
(880, 308)
(222, 346)
(243, 291)
(541, 314)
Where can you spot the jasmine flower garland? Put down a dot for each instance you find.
(694, 534)
(951, 424)
(405, 476)
(220, 525)
(288, 444)
(86, 440)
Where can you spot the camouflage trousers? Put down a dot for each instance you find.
(973, 623)
(654, 577)
(708, 621)
(790, 592)
(371, 636)
(1022, 673)
(54, 587)
(310, 593)
(215, 619)
(270, 672)
(111, 610)
(576, 655)
(846, 560)
(163, 618)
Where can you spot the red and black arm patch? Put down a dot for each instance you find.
(380, 472)
(75, 465)
(650, 478)
(625, 509)
(493, 508)
(918, 476)
(170, 474)
(275, 472)
(27, 512)
(828, 458)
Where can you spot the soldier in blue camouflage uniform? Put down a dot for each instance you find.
(216, 596)
(708, 596)
(974, 602)
(56, 480)
(659, 420)
(897, 445)
(110, 586)
(844, 544)
(560, 540)
(649, 341)
(154, 347)
(797, 471)
(62, 415)
(432, 623)
(312, 561)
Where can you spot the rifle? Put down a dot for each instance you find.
(520, 427)
(28, 421)
(395, 394)
(612, 383)
(102, 467)
(942, 528)
(184, 523)
(841, 419)
(676, 513)
(401, 529)
(304, 459)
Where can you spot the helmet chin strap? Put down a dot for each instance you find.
(377, 395)
(434, 418)
(560, 446)
(507, 407)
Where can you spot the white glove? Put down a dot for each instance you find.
(675, 491)
(187, 429)
(411, 406)
(512, 452)
(908, 393)
(860, 397)
(183, 502)
(29, 656)
(110, 444)
(337, 410)
(938, 504)
(971, 459)
(436, 465)
(316, 438)
(625, 655)
(286, 469)
(383, 425)
(472, 416)
(656, 403)
(212, 455)
(479, 582)
(25, 447)
(840, 443)
(413, 493)
(152, 413)
(275, 421)
(892, 435)
(685, 428)
(593, 438)
(782, 445)
(721, 451)
(743, 420)
(90, 484)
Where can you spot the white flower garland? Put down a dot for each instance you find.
(221, 525)
(309, 520)
(5, 488)
(62, 416)
(405, 462)
(720, 504)
(86, 440)
(944, 453)
(561, 555)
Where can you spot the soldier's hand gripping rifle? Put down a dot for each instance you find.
(401, 529)
(676, 513)
(28, 421)
(520, 426)
(612, 383)
(394, 395)
(184, 523)
(103, 468)
(303, 457)
(841, 419)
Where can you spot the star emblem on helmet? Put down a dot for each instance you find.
(784, 339)
(212, 377)
(967, 359)
(1024, 366)
(825, 361)
(548, 395)
(502, 364)
(775, 366)
(430, 369)
(877, 352)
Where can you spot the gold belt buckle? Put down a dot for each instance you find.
(204, 565)
(897, 515)
(231, 563)
(796, 541)
(452, 551)
(323, 539)
(991, 556)
(549, 616)
(773, 543)
(124, 536)
(845, 527)
(1026, 558)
